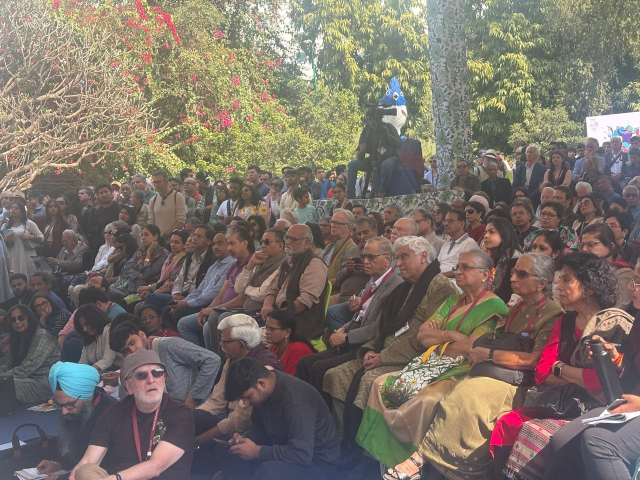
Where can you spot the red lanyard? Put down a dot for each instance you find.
(459, 304)
(516, 311)
(370, 291)
(134, 416)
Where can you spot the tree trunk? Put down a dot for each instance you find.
(449, 85)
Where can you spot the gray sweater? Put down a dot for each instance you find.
(192, 370)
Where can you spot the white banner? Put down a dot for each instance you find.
(623, 125)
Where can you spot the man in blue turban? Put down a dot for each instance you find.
(81, 402)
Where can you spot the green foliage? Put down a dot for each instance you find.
(543, 125)
(362, 45)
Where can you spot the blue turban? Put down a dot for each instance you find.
(76, 380)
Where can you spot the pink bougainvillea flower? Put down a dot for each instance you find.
(58, 172)
(56, 4)
(146, 57)
(266, 127)
(235, 80)
(230, 169)
(125, 168)
(249, 117)
(92, 164)
(141, 11)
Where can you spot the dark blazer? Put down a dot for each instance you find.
(504, 192)
(537, 177)
(365, 330)
(208, 260)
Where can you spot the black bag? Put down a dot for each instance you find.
(510, 342)
(29, 455)
(558, 401)
(8, 401)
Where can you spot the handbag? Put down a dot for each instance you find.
(558, 401)
(31, 453)
(419, 373)
(508, 341)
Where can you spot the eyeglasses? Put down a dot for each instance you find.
(548, 214)
(107, 233)
(271, 329)
(450, 220)
(228, 341)
(521, 274)
(40, 305)
(156, 373)
(589, 245)
(630, 195)
(178, 231)
(465, 268)
(68, 405)
(19, 318)
(436, 212)
(371, 257)
(635, 284)
(470, 211)
(151, 316)
(290, 239)
(334, 223)
(462, 167)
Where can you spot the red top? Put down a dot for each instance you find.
(477, 233)
(294, 352)
(169, 332)
(550, 354)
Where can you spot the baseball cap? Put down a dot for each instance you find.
(140, 358)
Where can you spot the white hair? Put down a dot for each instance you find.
(73, 233)
(630, 186)
(413, 226)
(587, 186)
(243, 327)
(350, 218)
(534, 146)
(292, 213)
(417, 245)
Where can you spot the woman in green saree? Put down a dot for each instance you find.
(401, 404)
(457, 441)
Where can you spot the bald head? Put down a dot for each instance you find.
(298, 239)
(404, 227)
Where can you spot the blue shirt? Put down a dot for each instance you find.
(211, 284)
(326, 185)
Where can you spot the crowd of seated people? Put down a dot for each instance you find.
(186, 325)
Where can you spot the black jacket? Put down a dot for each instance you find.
(503, 193)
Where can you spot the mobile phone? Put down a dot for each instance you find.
(224, 443)
(616, 403)
(172, 303)
(357, 260)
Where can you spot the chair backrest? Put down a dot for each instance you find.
(327, 296)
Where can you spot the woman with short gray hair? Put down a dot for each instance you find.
(480, 400)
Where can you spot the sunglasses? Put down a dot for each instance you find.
(156, 373)
(266, 241)
(19, 318)
(470, 211)
(521, 274)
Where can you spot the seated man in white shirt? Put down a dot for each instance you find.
(454, 226)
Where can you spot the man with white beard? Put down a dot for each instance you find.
(81, 402)
(146, 435)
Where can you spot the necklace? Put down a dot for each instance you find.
(164, 197)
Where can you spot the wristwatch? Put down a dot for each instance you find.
(557, 369)
(491, 354)
(118, 477)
